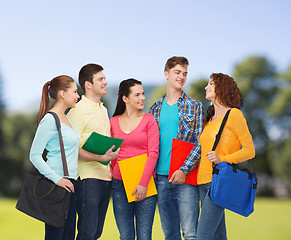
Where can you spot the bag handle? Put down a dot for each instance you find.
(65, 166)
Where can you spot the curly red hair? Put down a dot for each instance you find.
(226, 91)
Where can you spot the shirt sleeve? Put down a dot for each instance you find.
(195, 155)
(238, 125)
(151, 111)
(76, 118)
(45, 132)
(153, 138)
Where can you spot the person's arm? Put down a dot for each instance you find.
(179, 176)
(92, 157)
(238, 125)
(153, 154)
(45, 132)
(153, 150)
(194, 156)
(79, 124)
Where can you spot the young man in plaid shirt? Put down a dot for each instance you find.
(179, 116)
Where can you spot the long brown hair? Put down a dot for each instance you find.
(51, 89)
(226, 91)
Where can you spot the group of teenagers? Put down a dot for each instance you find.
(174, 115)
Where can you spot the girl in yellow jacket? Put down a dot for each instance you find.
(235, 146)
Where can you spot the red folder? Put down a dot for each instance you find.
(179, 153)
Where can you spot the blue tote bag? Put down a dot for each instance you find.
(232, 188)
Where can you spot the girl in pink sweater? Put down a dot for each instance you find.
(141, 136)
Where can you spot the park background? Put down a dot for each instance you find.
(249, 40)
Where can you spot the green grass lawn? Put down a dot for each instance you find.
(270, 221)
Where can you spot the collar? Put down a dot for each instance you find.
(90, 102)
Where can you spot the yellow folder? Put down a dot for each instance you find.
(131, 171)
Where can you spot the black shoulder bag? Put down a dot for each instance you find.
(41, 198)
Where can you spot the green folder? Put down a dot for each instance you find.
(99, 144)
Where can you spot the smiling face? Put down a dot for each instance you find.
(98, 87)
(210, 91)
(176, 76)
(136, 98)
(70, 95)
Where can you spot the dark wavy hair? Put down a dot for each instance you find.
(124, 90)
(226, 91)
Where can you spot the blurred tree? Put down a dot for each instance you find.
(1, 120)
(18, 135)
(2, 115)
(80, 91)
(197, 91)
(281, 109)
(156, 94)
(281, 105)
(19, 132)
(280, 153)
(256, 79)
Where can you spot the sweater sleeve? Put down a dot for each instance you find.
(238, 124)
(45, 132)
(153, 138)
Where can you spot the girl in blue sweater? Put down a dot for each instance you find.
(63, 90)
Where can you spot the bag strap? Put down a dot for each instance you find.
(217, 138)
(65, 166)
(218, 135)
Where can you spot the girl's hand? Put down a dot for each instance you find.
(140, 192)
(66, 184)
(213, 157)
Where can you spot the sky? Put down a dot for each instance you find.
(132, 38)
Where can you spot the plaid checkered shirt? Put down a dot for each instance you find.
(191, 116)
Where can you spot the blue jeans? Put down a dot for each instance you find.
(66, 232)
(212, 219)
(93, 198)
(124, 212)
(178, 204)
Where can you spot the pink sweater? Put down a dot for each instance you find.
(143, 139)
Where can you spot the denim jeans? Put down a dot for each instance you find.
(178, 204)
(93, 198)
(124, 212)
(66, 232)
(212, 219)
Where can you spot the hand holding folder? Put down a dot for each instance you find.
(99, 144)
(179, 153)
(131, 171)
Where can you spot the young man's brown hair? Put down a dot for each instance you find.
(173, 61)
(86, 73)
